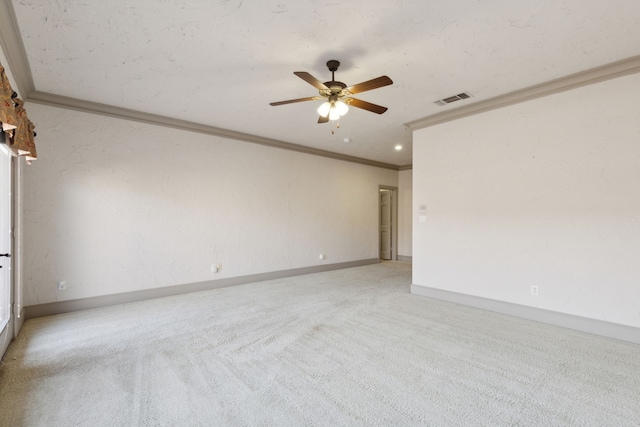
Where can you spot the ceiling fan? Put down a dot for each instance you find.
(337, 95)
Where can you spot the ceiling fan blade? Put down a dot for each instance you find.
(311, 80)
(323, 119)
(378, 109)
(370, 84)
(291, 101)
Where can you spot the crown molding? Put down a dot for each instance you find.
(14, 50)
(595, 75)
(155, 119)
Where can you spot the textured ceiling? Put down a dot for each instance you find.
(220, 63)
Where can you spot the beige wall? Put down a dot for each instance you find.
(544, 193)
(113, 206)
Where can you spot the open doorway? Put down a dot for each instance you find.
(387, 223)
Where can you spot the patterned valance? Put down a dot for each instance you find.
(15, 123)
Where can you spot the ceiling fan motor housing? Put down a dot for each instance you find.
(335, 88)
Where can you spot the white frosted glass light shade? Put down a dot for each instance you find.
(342, 108)
(323, 110)
(333, 114)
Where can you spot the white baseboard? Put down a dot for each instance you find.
(583, 324)
(19, 322)
(404, 258)
(60, 307)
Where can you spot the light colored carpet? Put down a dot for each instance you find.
(349, 347)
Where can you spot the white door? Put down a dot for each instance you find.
(6, 332)
(385, 224)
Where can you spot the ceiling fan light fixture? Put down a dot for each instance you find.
(333, 109)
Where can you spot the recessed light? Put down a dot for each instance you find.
(346, 140)
(398, 147)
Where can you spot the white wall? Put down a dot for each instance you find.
(405, 197)
(113, 206)
(543, 193)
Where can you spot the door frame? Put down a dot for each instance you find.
(8, 332)
(394, 221)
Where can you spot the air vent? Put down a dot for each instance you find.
(454, 98)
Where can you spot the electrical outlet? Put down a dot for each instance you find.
(534, 290)
(322, 256)
(62, 285)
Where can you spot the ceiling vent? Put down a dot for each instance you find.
(454, 98)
